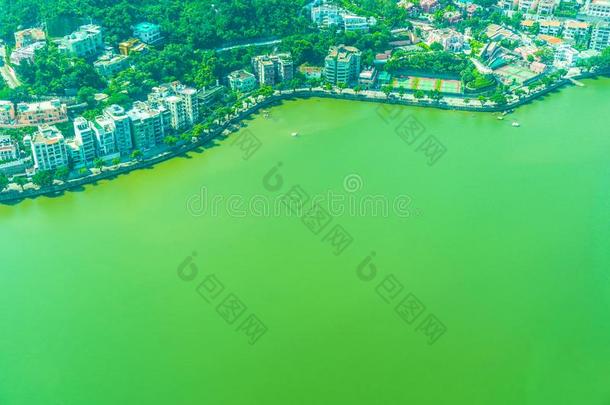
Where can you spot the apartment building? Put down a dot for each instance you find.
(550, 27)
(429, 6)
(130, 46)
(26, 53)
(29, 36)
(352, 22)
(110, 64)
(85, 140)
(546, 7)
(575, 30)
(565, 56)
(600, 36)
(9, 149)
(527, 6)
(121, 125)
(86, 42)
(272, 69)
(598, 8)
(326, 15)
(104, 129)
(148, 33)
(240, 80)
(342, 65)
(46, 112)
(148, 125)
(48, 148)
(181, 102)
(7, 113)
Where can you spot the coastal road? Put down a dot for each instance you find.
(262, 43)
(7, 72)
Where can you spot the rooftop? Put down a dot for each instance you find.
(240, 74)
(48, 135)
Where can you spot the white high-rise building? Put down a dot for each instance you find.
(598, 8)
(48, 148)
(148, 125)
(105, 134)
(181, 103)
(600, 37)
(84, 138)
(85, 42)
(122, 128)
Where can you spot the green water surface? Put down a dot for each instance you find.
(505, 242)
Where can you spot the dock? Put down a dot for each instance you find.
(576, 82)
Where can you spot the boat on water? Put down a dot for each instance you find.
(516, 124)
(295, 134)
(500, 117)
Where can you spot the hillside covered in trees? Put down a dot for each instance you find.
(200, 23)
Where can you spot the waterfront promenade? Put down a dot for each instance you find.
(447, 103)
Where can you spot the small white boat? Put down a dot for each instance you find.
(295, 134)
(500, 117)
(516, 124)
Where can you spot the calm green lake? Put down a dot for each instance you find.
(498, 254)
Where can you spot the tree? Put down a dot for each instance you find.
(482, 99)
(3, 181)
(499, 98)
(62, 173)
(20, 181)
(170, 140)
(419, 94)
(341, 86)
(206, 71)
(98, 163)
(86, 95)
(435, 46)
(137, 154)
(436, 95)
(116, 161)
(387, 89)
(43, 178)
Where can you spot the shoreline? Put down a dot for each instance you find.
(13, 197)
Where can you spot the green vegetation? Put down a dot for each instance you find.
(54, 73)
(598, 62)
(3, 181)
(474, 80)
(62, 173)
(43, 178)
(440, 62)
(199, 23)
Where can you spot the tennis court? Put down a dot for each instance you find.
(427, 84)
(451, 86)
(405, 82)
(518, 73)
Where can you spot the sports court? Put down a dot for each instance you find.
(427, 84)
(518, 73)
